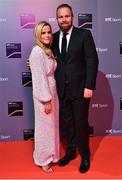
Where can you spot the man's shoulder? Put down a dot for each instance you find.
(81, 30)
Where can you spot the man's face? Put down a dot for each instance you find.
(64, 18)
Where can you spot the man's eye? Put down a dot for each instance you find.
(60, 17)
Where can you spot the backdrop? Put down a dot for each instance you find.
(17, 19)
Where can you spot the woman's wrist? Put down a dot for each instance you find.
(47, 102)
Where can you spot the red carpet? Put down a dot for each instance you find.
(16, 161)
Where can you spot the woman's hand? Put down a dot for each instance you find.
(28, 63)
(48, 107)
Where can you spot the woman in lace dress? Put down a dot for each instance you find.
(46, 105)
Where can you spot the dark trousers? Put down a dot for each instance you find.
(74, 113)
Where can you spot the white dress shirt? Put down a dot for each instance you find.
(67, 36)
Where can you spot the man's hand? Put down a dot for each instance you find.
(88, 93)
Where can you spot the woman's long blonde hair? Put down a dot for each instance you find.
(37, 34)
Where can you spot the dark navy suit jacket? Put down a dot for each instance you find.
(81, 64)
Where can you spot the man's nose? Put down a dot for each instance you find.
(64, 19)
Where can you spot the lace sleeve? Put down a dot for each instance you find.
(41, 89)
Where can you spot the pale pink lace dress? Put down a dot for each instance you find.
(46, 125)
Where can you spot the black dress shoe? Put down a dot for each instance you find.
(65, 160)
(85, 165)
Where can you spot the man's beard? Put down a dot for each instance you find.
(65, 28)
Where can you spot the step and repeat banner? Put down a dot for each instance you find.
(17, 20)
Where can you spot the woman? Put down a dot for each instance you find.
(46, 105)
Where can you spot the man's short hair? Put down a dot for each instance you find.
(64, 6)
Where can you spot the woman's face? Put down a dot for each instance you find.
(46, 35)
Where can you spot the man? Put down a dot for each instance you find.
(75, 77)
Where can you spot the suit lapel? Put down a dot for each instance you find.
(57, 43)
(72, 43)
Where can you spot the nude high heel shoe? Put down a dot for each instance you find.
(47, 169)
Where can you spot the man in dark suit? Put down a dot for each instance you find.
(75, 77)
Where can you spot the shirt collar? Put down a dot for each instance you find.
(69, 32)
